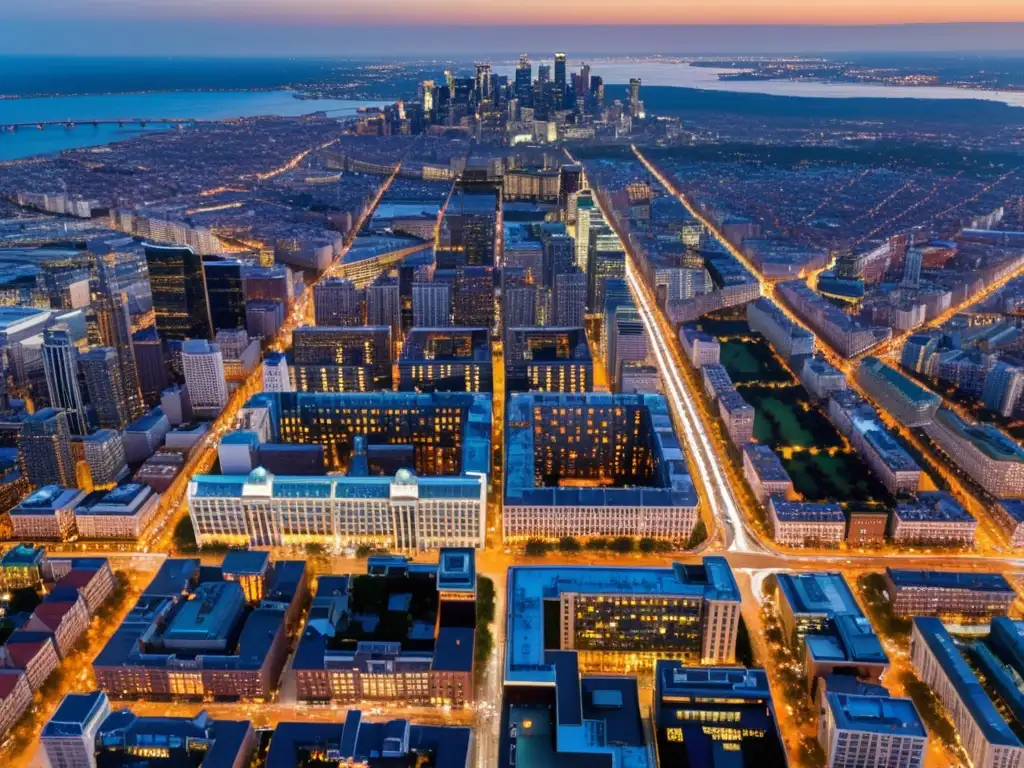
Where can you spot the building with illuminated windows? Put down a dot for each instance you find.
(342, 359)
(906, 400)
(196, 632)
(595, 464)
(820, 617)
(948, 593)
(618, 619)
(403, 632)
(984, 453)
(355, 741)
(416, 469)
(83, 733)
(954, 670)
(178, 284)
(934, 517)
(548, 360)
(446, 360)
(717, 716)
(874, 729)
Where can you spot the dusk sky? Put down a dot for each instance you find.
(399, 27)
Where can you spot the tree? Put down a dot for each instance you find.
(185, 536)
(623, 544)
(537, 547)
(568, 544)
(315, 549)
(597, 544)
(484, 600)
(698, 535)
(647, 545)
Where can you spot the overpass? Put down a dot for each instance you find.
(118, 121)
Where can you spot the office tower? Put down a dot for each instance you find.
(263, 318)
(269, 284)
(384, 304)
(431, 304)
(627, 340)
(597, 94)
(179, 292)
(559, 257)
(1003, 388)
(548, 360)
(103, 452)
(103, 381)
(203, 366)
(605, 259)
(636, 107)
(543, 74)
(176, 405)
(337, 301)
(60, 364)
(69, 738)
(584, 212)
(225, 293)
(484, 84)
(616, 294)
(518, 300)
(912, 268)
(560, 80)
(113, 321)
(474, 297)
(524, 82)
(150, 363)
(65, 281)
(45, 446)
(335, 359)
(470, 222)
(569, 299)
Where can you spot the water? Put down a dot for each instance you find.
(201, 105)
(682, 75)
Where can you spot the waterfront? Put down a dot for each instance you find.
(199, 105)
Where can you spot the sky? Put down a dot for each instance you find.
(414, 27)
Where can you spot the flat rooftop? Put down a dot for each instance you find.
(876, 714)
(447, 345)
(973, 582)
(530, 586)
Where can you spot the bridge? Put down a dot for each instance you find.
(118, 121)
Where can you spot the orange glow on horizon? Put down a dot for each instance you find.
(575, 12)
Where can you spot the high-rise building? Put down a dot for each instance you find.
(336, 359)
(103, 381)
(225, 293)
(524, 81)
(585, 211)
(179, 292)
(69, 738)
(1003, 387)
(569, 183)
(605, 259)
(113, 320)
(103, 452)
(337, 301)
(269, 283)
(431, 304)
(60, 363)
(474, 297)
(912, 268)
(264, 318)
(204, 374)
(627, 340)
(384, 304)
(636, 107)
(560, 80)
(45, 446)
(150, 363)
(470, 224)
(569, 299)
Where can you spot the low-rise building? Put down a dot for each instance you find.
(401, 632)
(805, 523)
(716, 381)
(907, 401)
(21, 567)
(866, 526)
(738, 416)
(987, 735)
(1009, 513)
(934, 518)
(875, 730)
(702, 711)
(820, 616)
(32, 651)
(122, 513)
(47, 515)
(985, 454)
(194, 633)
(446, 360)
(789, 339)
(948, 593)
(65, 614)
(764, 473)
(15, 697)
(701, 348)
(821, 378)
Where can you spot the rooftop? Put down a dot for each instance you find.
(934, 506)
(447, 345)
(995, 444)
(974, 582)
(876, 714)
(806, 511)
(530, 586)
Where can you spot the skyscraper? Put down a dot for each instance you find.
(45, 446)
(337, 301)
(1003, 388)
(431, 304)
(569, 299)
(912, 268)
(115, 330)
(524, 82)
(60, 364)
(560, 80)
(103, 382)
(149, 361)
(204, 374)
(179, 292)
(584, 211)
(474, 297)
(636, 107)
(225, 292)
(384, 303)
